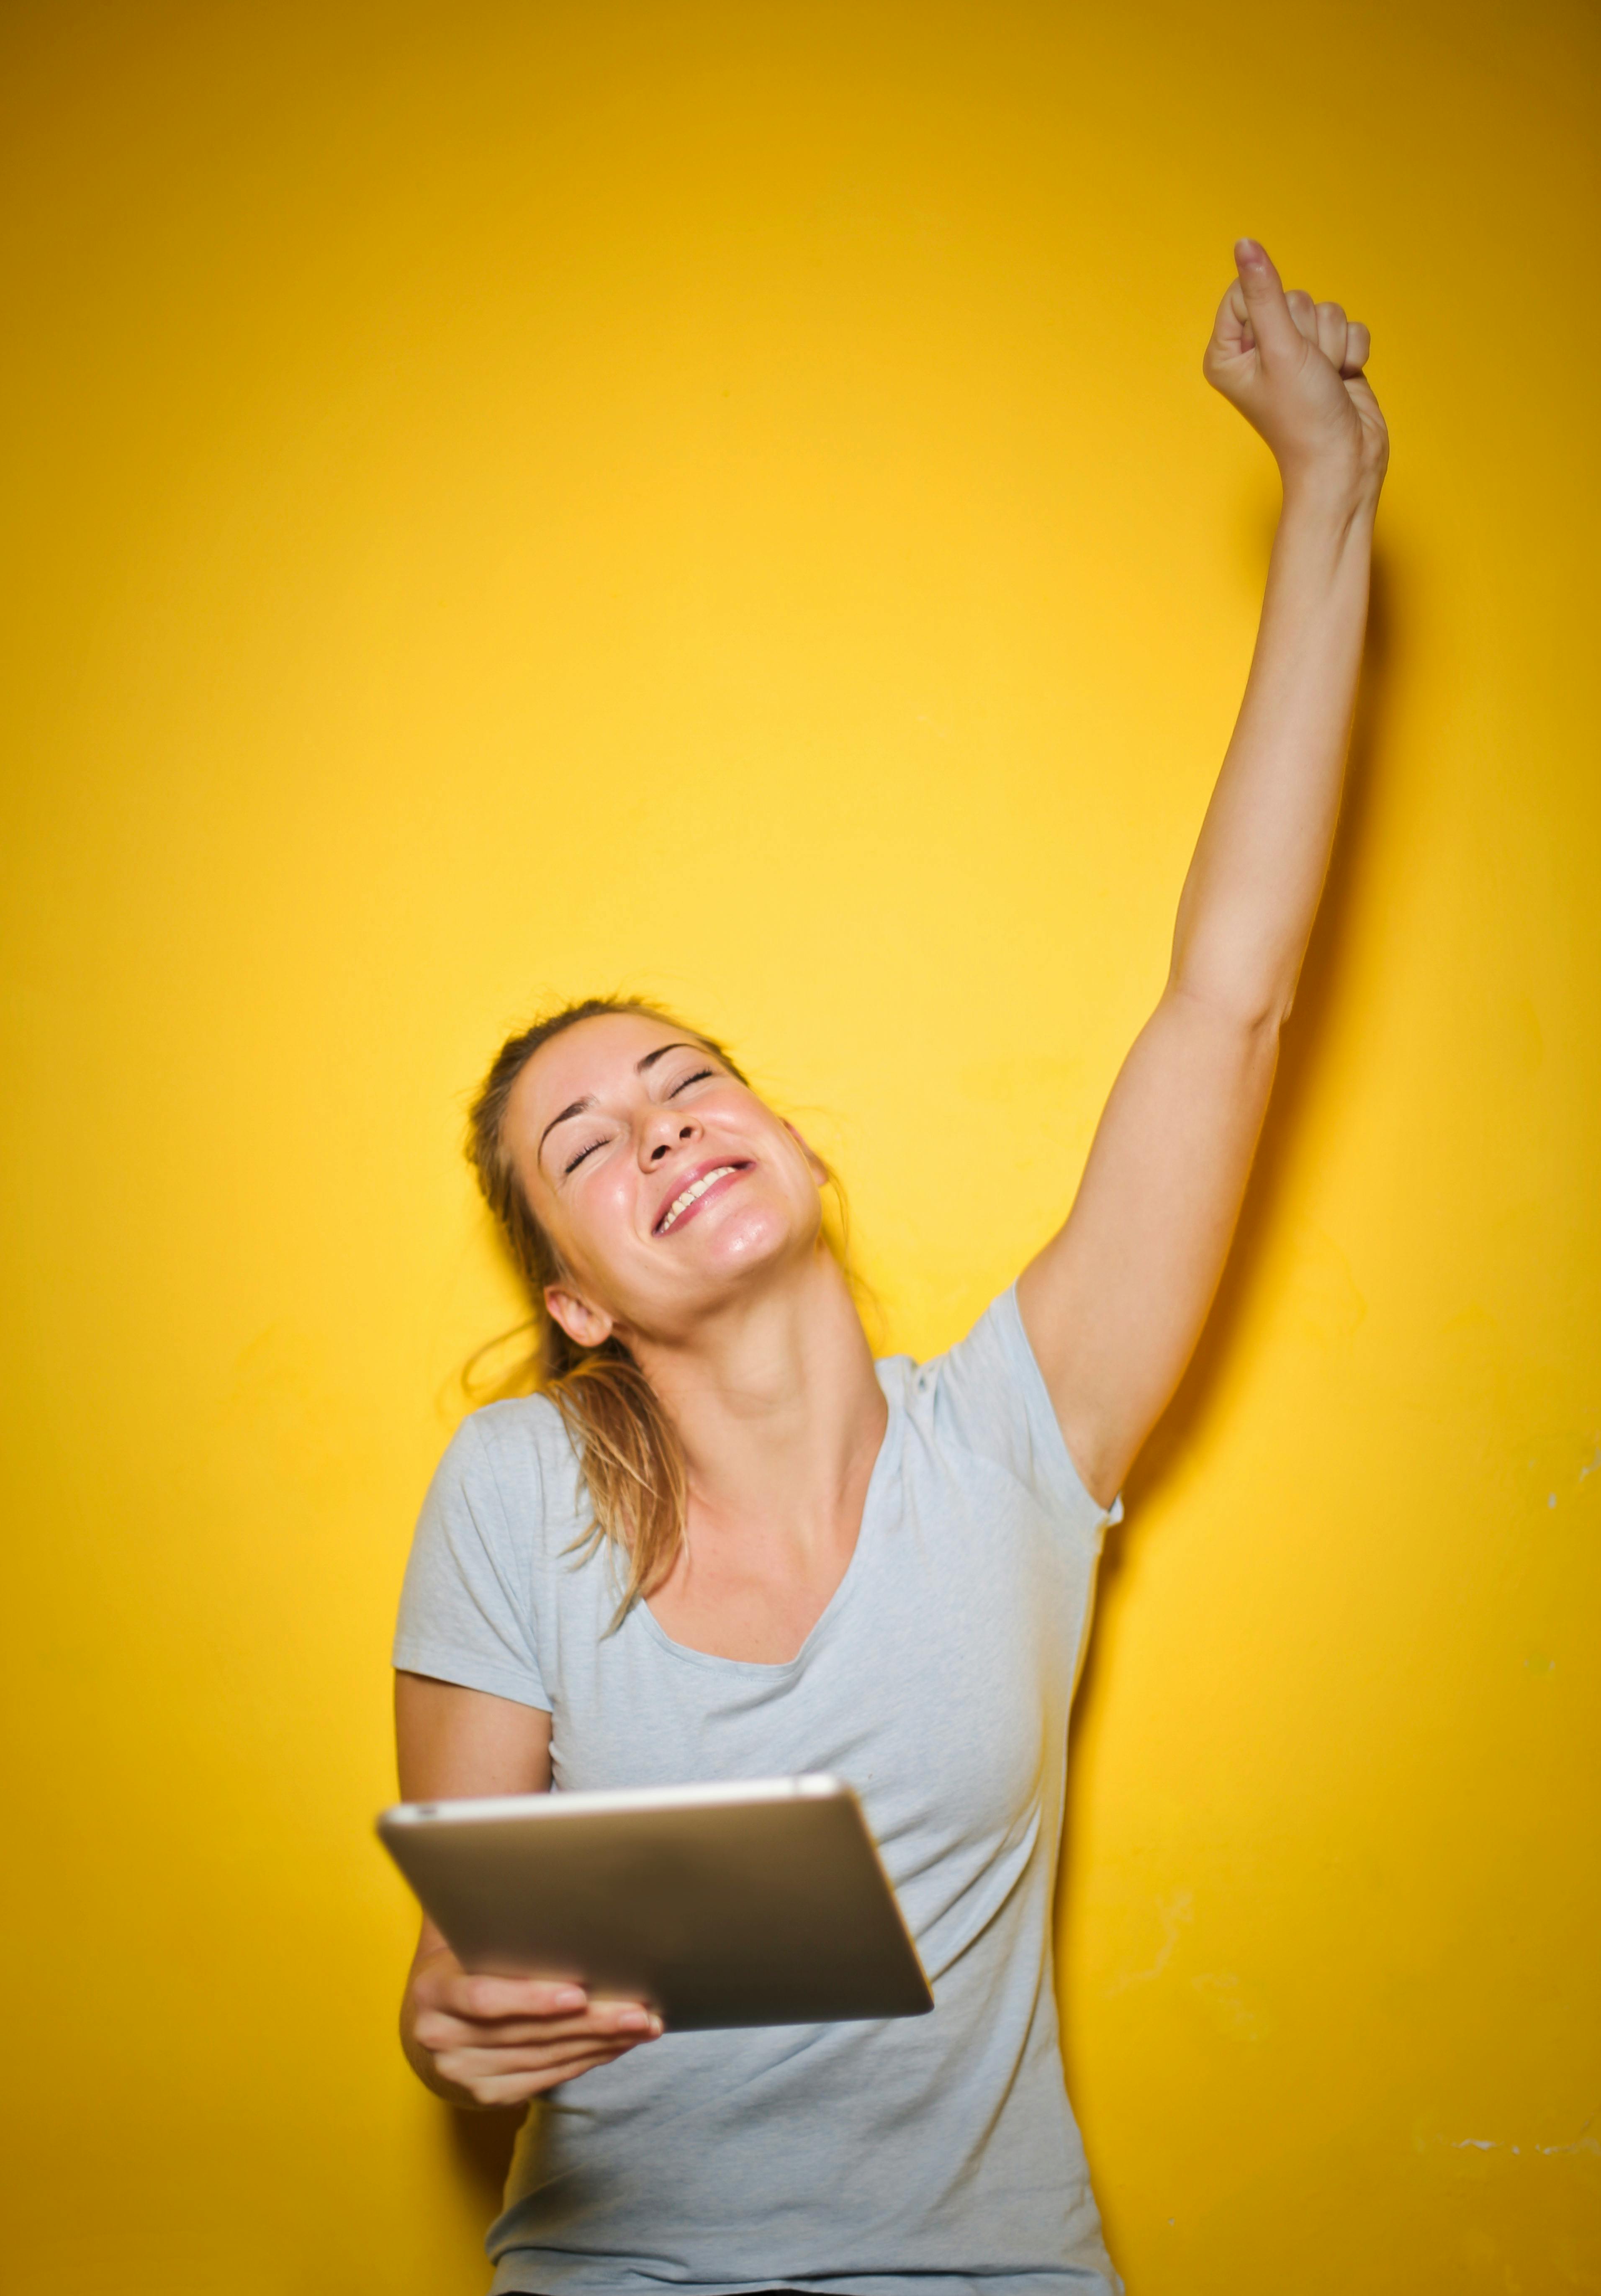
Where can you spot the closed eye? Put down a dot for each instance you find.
(695, 1078)
(573, 1164)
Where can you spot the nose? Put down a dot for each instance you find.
(665, 1130)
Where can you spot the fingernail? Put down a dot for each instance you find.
(571, 1996)
(655, 2027)
(635, 2021)
(1246, 250)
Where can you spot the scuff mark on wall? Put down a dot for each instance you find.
(1220, 1993)
(1173, 1912)
(1583, 2143)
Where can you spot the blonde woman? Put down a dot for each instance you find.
(723, 1541)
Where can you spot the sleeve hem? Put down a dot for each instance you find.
(1042, 1415)
(469, 1672)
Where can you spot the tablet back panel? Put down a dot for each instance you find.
(758, 1905)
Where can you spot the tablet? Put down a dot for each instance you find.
(761, 1904)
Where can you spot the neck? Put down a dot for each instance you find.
(779, 1410)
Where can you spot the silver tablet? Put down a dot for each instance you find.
(761, 1904)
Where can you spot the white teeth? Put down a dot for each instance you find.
(692, 1195)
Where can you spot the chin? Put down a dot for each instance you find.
(749, 1236)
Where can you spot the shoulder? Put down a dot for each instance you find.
(514, 1460)
(961, 1388)
(986, 1399)
(499, 1513)
(526, 1426)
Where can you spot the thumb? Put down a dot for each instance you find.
(1276, 334)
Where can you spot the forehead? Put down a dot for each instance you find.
(587, 1061)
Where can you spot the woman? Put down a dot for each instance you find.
(725, 1542)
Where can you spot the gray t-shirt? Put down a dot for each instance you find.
(923, 2155)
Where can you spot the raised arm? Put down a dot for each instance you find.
(1115, 1302)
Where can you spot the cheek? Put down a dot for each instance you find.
(799, 1180)
(599, 1216)
(586, 1222)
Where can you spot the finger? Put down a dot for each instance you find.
(623, 2016)
(441, 2029)
(1331, 334)
(504, 2088)
(1359, 347)
(1231, 330)
(1359, 391)
(524, 2085)
(1304, 312)
(1265, 303)
(467, 1996)
(472, 2067)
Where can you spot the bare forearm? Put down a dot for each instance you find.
(1253, 886)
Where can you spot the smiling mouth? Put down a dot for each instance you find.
(690, 1196)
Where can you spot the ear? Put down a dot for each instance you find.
(585, 1326)
(814, 1162)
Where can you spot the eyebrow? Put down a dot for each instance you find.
(578, 1107)
(680, 1045)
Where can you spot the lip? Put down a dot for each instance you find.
(738, 1166)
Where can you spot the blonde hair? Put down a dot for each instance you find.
(628, 1448)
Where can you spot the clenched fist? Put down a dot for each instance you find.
(1294, 368)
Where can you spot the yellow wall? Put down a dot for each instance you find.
(514, 499)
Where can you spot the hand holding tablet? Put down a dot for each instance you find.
(759, 1904)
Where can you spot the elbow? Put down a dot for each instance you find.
(1256, 1010)
(1246, 977)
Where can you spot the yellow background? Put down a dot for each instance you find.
(513, 500)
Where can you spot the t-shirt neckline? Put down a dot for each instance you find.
(774, 1669)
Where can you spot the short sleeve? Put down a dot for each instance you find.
(989, 1394)
(466, 1611)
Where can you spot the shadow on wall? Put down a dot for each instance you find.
(1315, 999)
(1315, 1002)
(482, 2144)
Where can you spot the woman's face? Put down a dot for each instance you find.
(663, 1182)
